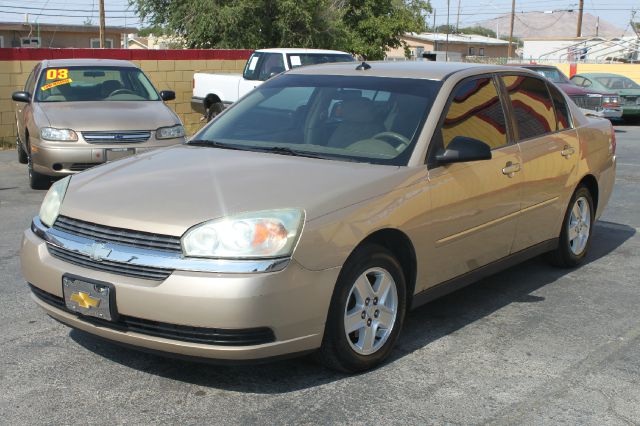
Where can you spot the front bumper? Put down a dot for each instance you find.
(292, 302)
(612, 112)
(65, 158)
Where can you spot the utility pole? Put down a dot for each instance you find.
(458, 19)
(513, 15)
(101, 24)
(446, 49)
(434, 22)
(580, 9)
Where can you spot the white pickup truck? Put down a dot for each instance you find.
(213, 92)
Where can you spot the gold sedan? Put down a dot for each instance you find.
(315, 212)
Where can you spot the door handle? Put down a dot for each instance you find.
(567, 151)
(510, 169)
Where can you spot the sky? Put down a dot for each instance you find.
(119, 13)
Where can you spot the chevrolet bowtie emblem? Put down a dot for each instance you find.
(85, 300)
(97, 252)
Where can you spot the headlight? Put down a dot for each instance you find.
(53, 201)
(170, 132)
(51, 134)
(270, 233)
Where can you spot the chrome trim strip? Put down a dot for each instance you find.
(98, 251)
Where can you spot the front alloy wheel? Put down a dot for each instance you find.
(366, 313)
(371, 311)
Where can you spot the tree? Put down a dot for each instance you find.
(478, 30)
(363, 27)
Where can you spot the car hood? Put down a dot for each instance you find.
(169, 190)
(108, 115)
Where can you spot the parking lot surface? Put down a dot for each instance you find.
(530, 345)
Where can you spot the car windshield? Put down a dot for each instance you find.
(366, 119)
(617, 82)
(76, 84)
(302, 59)
(552, 74)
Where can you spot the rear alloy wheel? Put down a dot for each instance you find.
(36, 180)
(366, 313)
(576, 230)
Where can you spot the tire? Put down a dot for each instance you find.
(358, 296)
(23, 158)
(213, 110)
(577, 228)
(36, 180)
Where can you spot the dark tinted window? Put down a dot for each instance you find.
(476, 112)
(302, 59)
(532, 106)
(562, 111)
(261, 66)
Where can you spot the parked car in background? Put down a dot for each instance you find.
(628, 91)
(213, 92)
(605, 103)
(315, 212)
(76, 113)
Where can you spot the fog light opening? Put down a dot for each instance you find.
(57, 167)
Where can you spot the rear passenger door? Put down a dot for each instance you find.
(548, 146)
(474, 204)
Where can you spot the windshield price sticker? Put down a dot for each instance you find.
(253, 63)
(57, 74)
(56, 83)
(295, 61)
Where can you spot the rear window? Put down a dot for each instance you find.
(617, 82)
(77, 84)
(532, 106)
(299, 60)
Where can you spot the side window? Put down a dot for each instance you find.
(562, 111)
(577, 81)
(476, 112)
(586, 83)
(272, 63)
(532, 106)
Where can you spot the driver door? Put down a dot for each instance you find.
(474, 204)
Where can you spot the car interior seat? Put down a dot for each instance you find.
(359, 121)
(109, 86)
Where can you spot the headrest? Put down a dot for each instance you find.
(358, 110)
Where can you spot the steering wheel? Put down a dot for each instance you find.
(402, 141)
(121, 92)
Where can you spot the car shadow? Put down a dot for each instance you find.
(423, 326)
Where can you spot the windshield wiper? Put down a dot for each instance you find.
(214, 144)
(283, 150)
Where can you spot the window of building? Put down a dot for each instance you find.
(1, 41)
(532, 106)
(29, 41)
(108, 43)
(472, 51)
(476, 112)
(481, 51)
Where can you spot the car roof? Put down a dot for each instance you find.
(296, 50)
(533, 66)
(599, 74)
(89, 62)
(428, 70)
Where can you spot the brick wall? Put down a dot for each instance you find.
(167, 69)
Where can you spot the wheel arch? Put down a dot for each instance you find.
(400, 245)
(591, 183)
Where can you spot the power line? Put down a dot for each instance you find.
(62, 10)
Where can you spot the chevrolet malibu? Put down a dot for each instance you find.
(316, 211)
(76, 113)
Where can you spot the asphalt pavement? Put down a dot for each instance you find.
(531, 345)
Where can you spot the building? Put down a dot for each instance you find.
(154, 42)
(581, 49)
(16, 34)
(432, 46)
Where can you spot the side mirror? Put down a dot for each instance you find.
(21, 97)
(462, 149)
(167, 95)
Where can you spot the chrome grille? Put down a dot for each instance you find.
(630, 100)
(133, 136)
(588, 102)
(145, 240)
(144, 272)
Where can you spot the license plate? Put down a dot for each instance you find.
(90, 298)
(118, 153)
